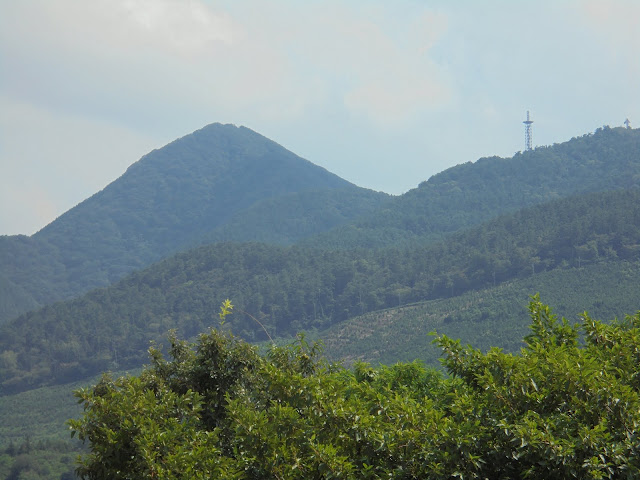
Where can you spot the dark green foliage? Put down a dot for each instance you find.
(472, 193)
(228, 183)
(220, 177)
(34, 425)
(492, 317)
(289, 289)
(561, 408)
(31, 273)
(287, 219)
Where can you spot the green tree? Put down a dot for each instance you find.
(566, 406)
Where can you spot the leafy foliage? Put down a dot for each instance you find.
(561, 408)
(493, 317)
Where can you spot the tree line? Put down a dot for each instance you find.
(289, 289)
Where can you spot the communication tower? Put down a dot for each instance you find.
(527, 132)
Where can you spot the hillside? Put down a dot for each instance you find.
(290, 218)
(224, 183)
(471, 193)
(287, 289)
(173, 198)
(495, 316)
(427, 272)
(492, 317)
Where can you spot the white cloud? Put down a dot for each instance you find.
(397, 80)
(270, 61)
(51, 162)
(616, 21)
(182, 27)
(381, 70)
(616, 26)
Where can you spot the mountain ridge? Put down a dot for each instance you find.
(472, 192)
(106, 242)
(585, 249)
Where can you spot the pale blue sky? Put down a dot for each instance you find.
(384, 94)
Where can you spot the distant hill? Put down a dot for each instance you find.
(469, 194)
(287, 289)
(171, 199)
(227, 183)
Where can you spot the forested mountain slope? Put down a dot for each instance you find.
(490, 317)
(226, 183)
(471, 193)
(31, 273)
(173, 198)
(287, 289)
(287, 219)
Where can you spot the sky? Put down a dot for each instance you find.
(384, 94)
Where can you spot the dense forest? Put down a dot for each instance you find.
(224, 183)
(282, 290)
(171, 199)
(471, 193)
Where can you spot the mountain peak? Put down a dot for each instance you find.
(173, 197)
(196, 182)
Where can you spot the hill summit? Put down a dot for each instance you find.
(172, 198)
(173, 195)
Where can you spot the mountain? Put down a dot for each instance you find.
(372, 304)
(469, 194)
(173, 198)
(224, 183)
(279, 291)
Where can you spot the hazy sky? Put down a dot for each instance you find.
(383, 93)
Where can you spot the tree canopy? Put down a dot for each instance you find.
(566, 406)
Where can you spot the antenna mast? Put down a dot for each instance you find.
(527, 132)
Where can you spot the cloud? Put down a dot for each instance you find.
(184, 27)
(615, 25)
(51, 162)
(615, 21)
(173, 27)
(269, 61)
(398, 79)
(349, 85)
(379, 67)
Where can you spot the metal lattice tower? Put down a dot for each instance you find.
(527, 132)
